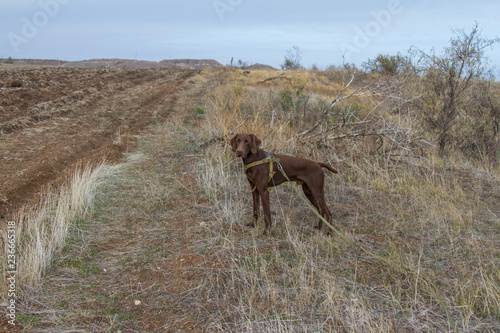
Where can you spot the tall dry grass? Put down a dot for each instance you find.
(42, 230)
(426, 254)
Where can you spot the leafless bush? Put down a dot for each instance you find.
(293, 58)
(448, 85)
(392, 133)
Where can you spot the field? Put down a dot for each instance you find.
(157, 242)
(52, 118)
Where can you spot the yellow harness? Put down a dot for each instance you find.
(271, 159)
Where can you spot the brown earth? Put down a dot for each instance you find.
(130, 270)
(132, 266)
(53, 119)
(121, 63)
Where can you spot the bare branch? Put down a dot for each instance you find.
(281, 76)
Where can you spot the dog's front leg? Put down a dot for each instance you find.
(256, 206)
(267, 209)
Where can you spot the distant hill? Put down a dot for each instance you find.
(258, 66)
(190, 63)
(130, 63)
(36, 62)
(120, 63)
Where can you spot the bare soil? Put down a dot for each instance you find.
(55, 118)
(127, 268)
(135, 265)
(132, 267)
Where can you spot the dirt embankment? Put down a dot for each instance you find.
(55, 118)
(121, 63)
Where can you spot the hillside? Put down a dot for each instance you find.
(54, 118)
(121, 63)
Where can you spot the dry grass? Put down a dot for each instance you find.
(42, 230)
(426, 255)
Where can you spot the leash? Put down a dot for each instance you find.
(270, 158)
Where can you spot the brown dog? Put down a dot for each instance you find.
(304, 172)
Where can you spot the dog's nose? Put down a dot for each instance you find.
(240, 152)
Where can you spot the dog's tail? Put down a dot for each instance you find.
(324, 165)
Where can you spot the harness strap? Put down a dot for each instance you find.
(270, 158)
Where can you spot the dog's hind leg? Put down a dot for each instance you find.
(315, 202)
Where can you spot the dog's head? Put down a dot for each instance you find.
(244, 143)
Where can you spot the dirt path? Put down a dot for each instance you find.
(133, 267)
(53, 118)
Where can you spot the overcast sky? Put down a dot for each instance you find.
(252, 30)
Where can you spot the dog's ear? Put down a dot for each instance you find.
(255, 144)
(233, 143)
